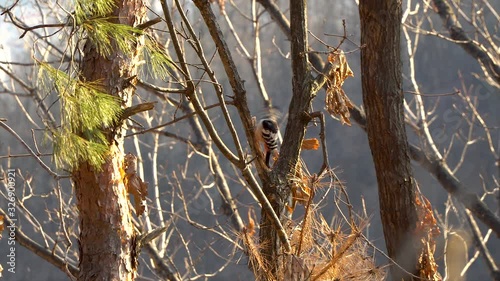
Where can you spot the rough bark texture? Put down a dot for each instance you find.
(383, 100)
(107, 237)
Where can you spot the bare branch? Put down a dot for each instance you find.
(44, 253)
(163, 269)
(241, 104)
(478, 240)
(40, 161)
(488, 63)
(443, 174)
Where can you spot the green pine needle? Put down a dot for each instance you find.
(157, 59)
(85, 9)
(104, 34)
(70, 150)
(85, 111)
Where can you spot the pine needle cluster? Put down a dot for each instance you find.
(85, 9)
(104, 34)
(158, 62)
(85, 109)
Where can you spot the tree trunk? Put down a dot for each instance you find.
(277, 189)
(107, 236)
(383, 100)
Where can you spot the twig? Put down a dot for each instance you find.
(489, 65)
(129, 111)
(149, 23)
(30, 28)
(190, 91)
(163, 269)
(160, 89)
(322, 135)
(43, 252)
(47, 168)
(217, 87)
(478, 240)
(175, 120)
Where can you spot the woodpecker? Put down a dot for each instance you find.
(266, 134)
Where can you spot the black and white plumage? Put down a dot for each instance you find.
(266, 134)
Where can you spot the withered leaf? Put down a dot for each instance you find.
(134, 184)
(337, 102)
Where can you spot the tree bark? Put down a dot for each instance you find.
(278, 189)
(107, 236)
(383, 100)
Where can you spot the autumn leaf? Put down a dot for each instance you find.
(310, 144)
(134, 184)
(337, 102)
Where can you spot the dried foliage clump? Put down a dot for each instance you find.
(337, 102)
(328, 252)
(301, 186)
(250, 240)
(134, 183)
(320, 250)
(427, 231)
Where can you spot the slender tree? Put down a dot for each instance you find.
(383, 100)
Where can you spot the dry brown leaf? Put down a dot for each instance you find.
(427, 230)
(310, 144)
(337, 102)
(134, 184)
(250, 227)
